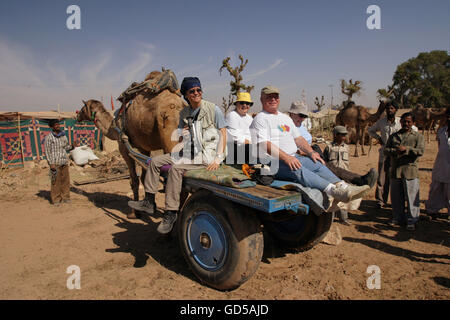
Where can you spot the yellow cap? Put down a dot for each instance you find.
(244, 97)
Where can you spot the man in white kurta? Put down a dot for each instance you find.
(439, 195)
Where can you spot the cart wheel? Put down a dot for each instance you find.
(301, 232)
(220, 242)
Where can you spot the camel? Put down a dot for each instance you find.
(426, 119)
(150, 121)
(358, 117)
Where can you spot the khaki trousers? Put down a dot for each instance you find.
(383, 181)
(60, 188)
(174, 179)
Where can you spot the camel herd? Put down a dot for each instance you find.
(359, 118)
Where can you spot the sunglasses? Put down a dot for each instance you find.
(245, 103)
(301, 115)
(195, 91)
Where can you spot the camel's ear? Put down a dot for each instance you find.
(84, 102)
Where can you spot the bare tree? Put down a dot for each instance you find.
(320, 103)
(236, 85)
(350, 88)
(387, 94)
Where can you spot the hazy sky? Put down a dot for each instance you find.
(294, 45)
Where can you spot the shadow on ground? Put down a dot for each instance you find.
(374, 220)
(138, 239)
(445, 282)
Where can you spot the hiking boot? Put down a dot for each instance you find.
(370, 178)
(348, 193)
(166, 224)
(345, 222)
(339, 194)
(147, 205)
(143, 205)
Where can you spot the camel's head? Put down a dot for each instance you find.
(88, 110)
(348, 104)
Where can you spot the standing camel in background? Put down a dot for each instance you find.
(149, 123)
(425, 118)
(359, 117)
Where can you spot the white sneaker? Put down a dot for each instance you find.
(348, 193)
(341, 184)
(339, 194)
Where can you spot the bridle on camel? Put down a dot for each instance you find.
(90, 114)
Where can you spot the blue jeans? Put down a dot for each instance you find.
(311, 174)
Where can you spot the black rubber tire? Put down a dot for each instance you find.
(301, 232)
(243, 234)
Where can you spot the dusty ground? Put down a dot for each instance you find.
(127, 259)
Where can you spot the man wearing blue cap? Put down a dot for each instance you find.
(202, 132)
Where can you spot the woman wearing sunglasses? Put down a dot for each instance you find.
(238, 128)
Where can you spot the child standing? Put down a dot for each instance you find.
(337, 154)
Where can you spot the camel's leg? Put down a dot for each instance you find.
(363, 140)
(134, 179)
(356, 141)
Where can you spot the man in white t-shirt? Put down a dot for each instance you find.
(238, 129)
(276, 133)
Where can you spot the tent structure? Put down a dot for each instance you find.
(22, 135)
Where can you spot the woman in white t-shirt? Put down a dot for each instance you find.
(238, 127)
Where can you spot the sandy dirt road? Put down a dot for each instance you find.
(127, 259)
